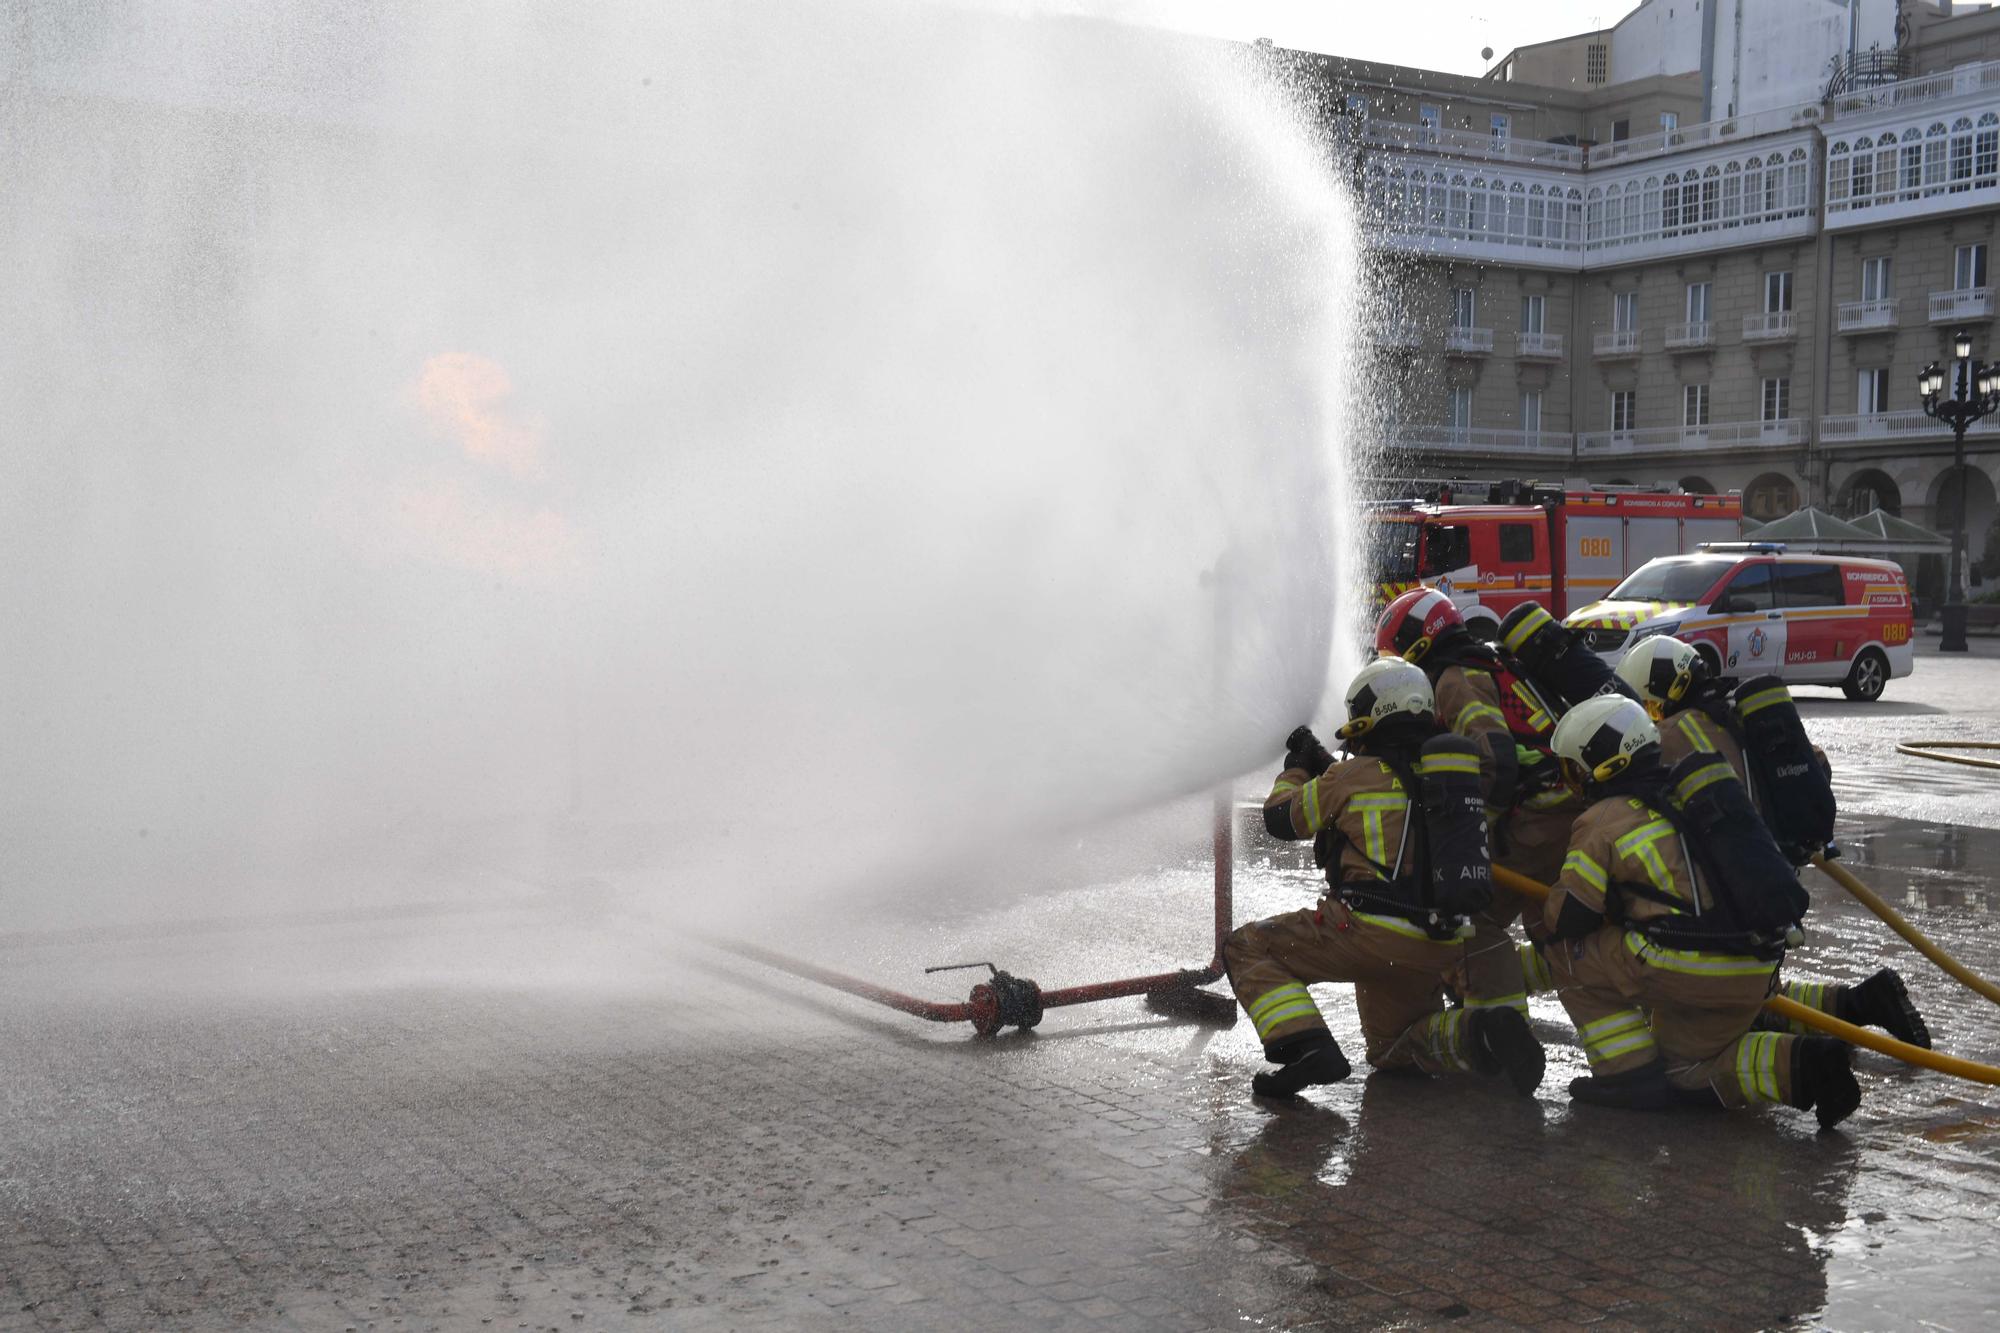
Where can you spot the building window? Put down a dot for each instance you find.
(1596, 60)
(1499, 125)
(1621, 130)
(1531, 410)
(1461, 408)
(1624, 409)
(1462, 307)
(1625, 312)
(1875, 278)
(1697, 302)
(1531, 314)
(1777, 292)
(1669, 122)
(1357, 106)
(1429, 118)
(1694, 405)
(1777, 398)
(1968, 268)
(1871, 392)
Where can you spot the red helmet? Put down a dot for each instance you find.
(1413, 622)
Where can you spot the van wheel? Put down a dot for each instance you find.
(1867, 678)
(1712, 658)
(1484, 628)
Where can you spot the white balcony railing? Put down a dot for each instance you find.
(1479, 440)
(1964, 81)
(1548, 345)
(1773, 121)
(1878, 426)
(1468, 342)
(1695, 333)
(1689, 439)
(1771, 326)
(1860, 316)
(1621, 342)
(1397, 333)
(1962, 303)
(1466, 143)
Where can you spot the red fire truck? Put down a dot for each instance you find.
(1494, 545)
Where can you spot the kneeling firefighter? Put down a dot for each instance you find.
(1759, 733)
(1400, 830)
(1507, 701)
(1667, 926)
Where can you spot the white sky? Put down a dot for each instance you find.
(1431, 34)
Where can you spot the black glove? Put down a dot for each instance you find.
(1303, 750)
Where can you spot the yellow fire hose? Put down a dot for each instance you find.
(1918, 940)
(1792, 1011)
(1937, 750)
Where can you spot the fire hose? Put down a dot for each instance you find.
(1792, 1011)
(1937, 750)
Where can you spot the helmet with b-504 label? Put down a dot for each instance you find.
(1388, 694)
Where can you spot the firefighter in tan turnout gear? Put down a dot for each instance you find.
(1480, 697)
(1697, 715)
(1666, 929)
(1400, 831)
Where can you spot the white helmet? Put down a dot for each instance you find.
(1661, 670)
(1602, 737)
(1386, 688)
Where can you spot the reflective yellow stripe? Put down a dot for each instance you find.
(1697, 734)
(1474, 712)
(1535, 971)
(1516, 1001)
(1696, 964)
(1612, 1024)
(1448, 763)
(1757, 1066)
(1642, 845)
(1618, 1034)
(1538, 716)
(1641, 1040)
(1762, 699)
(1309, 797)
(1379, 800)
(1288, 993)
(1811, 994)
(1530, 625)
(1283, 788)
(1395, 923)
(1373, 806)
(1705, 776)
(1585, 869)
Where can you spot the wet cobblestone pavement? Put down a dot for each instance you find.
(580, 1124)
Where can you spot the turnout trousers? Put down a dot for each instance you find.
(1396, 969)
(1535, 842)
(1633, 1002)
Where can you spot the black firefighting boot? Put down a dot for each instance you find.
(1500, 1042)
(1823, 1079)
(1306, 1059)
(1883, 1002)
(1643, 1089)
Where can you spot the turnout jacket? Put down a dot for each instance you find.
(1469, 704)
(1359, 797)
(1690, 731)
(1621, 839)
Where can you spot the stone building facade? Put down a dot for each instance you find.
(1741, 303)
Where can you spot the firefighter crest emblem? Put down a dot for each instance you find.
(1756, 644)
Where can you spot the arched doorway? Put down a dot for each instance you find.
(1869, 489)
(1970, 489)
(1698, 486)
(1772, 495)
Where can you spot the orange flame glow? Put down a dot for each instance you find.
(468, 400)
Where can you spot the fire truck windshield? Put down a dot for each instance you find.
(1392, 550)
(1672, 580)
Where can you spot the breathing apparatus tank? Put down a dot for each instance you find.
(1757, 899)
(1792, 786)
(1455, 829)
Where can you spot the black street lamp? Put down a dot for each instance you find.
(1975, 392)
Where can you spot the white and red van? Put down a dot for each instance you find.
(1753, 610)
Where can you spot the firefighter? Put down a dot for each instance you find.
(1696, 714)
(1663, 948)
(1479, 697)
(1378, 925)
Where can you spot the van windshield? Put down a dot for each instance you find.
(1392, 550)
(1672, 580)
